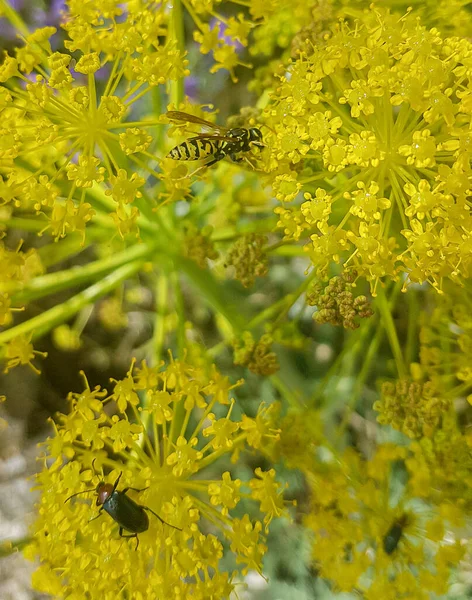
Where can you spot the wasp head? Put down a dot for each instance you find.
(255, 138)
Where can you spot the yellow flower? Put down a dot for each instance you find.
(157, 453)
(375, 113)
(368, 540)
(20, 351)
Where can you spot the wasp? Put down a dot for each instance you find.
(217, 144)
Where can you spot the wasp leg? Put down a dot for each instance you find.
(160, 518)
(216, 158)
(131, 535)
(252, 165)
(235, 158)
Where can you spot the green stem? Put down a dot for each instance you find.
(25, 224)
(11, 14)
(11, 547)
(56, 252)
(387, 322)
(43, 323)
(162, 301)
(214, 293)
(350, 347)
(156, 99)
(54, 282)
(282, 306)
(177, 27)
(361, 378)
(286, 392)
(230, 233)
(413, 323)
(179, 308)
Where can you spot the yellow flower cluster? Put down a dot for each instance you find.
(365, 539)
(67, 130)
(197, 245)
(441, 468)
(180, 423)
(446, 342)
(366, 118)
(16, 269)
(372, 125)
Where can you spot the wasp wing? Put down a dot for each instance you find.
(213, 136)
(177, 115)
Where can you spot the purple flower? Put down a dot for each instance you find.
(51, 17)
(229, 41)
(191, 87)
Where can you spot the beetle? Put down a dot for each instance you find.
(394, 534)
(129, 515)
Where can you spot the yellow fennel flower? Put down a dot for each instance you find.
(68, 127)
(375, 120)
(161, 448)
(373, 540)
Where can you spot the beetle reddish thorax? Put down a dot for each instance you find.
(104, 491)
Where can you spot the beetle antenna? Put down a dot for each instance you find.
(78, 494)
(268, 127)
(161, 519)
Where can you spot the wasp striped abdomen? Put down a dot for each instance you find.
(196, 149)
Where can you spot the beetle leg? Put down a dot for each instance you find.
(132, 535)
(115, 485)
(99, 514)
(134, 490)
(160, 518)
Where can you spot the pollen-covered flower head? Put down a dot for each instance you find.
(157, 432)
(372, 125)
